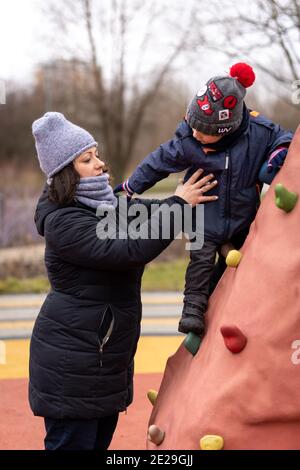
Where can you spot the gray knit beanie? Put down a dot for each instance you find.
(58, 142)
(217, 109)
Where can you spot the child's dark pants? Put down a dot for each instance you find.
(203, 274)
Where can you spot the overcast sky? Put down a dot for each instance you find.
(21, 39)
(19, 46)
(22, 45)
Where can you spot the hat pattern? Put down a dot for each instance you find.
(217, 108)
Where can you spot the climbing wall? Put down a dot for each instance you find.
(241, 389)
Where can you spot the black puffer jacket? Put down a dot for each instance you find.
(85, 336)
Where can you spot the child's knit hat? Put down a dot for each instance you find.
(217, 109)
(59, 141)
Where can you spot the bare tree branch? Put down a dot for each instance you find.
(272, 26)
(148, 96)
(97, 72)
(281, 38)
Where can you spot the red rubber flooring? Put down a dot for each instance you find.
(20, 430)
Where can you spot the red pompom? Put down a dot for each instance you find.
(243, 73)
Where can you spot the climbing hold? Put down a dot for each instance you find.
(152, 395)
(192, 343)
(155, 434)
(211, 442)
(284, 199)
(233, 258)
(234, 339)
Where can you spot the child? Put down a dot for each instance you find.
(220, 135)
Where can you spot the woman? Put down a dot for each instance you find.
(85, 336)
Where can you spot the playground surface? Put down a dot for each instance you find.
(20, 430)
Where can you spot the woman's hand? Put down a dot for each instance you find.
(192, 191)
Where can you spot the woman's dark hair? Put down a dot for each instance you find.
(63, 185)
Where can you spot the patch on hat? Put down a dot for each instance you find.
(230, 102)
(215, 92)
(224, 114)
(202, 91)
(224, 130)
(205, 106)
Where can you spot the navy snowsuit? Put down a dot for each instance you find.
(236, 170)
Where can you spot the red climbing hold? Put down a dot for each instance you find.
(234, 339)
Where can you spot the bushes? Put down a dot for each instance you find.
(165, 276)
(23, 262)
(22, 270)
(17, 226)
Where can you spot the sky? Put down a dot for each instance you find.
(23, 45)
(21, 39)
(19, 45)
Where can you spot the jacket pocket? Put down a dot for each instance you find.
(105, 331)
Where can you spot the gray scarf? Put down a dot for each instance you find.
(96, 191)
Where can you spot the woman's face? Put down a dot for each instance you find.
(89, 164)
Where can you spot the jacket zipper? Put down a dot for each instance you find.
(106, 337)
(227, 201)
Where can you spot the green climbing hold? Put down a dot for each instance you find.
(284, 199)
(192, 343)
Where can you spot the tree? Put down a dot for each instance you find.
(16, 117)
(131, 48)
(264, 32)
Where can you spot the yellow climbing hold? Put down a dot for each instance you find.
(233, 258)
(254, 113)
(211, 442)
(152, 395)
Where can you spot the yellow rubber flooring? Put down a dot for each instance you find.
(151, 356)
(36, 303)
(29, 323)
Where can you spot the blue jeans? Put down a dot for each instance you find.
(80, 434)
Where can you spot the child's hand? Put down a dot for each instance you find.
(276, 159)
(271, 167)
(124, 187)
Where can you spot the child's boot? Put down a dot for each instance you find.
(192, 320)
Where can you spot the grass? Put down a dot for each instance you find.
(167, 185)
(13, 285)
(160, 276)
(165, 276)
